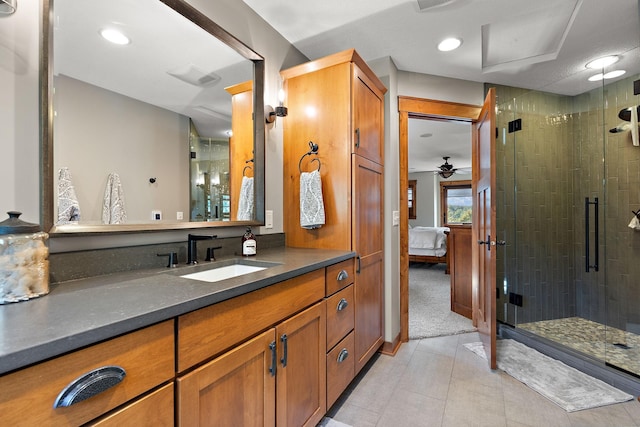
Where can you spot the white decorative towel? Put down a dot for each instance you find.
(245, 204)
(634, 125)
(635, 223)
(311, 203)
(68, 206)
(113, 211)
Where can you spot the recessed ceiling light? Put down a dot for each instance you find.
(114, 36)
(609, 75)
(605, 61)
(614, 74)
(449, 44)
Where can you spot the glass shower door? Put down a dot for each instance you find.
(622, 228)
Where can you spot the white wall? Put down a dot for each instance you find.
(147, 143)
(426, 199)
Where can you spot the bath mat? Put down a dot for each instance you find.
(330, 422)
(567, 387)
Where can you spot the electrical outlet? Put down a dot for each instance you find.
(156, 215)
(268, 219)
(179, 216)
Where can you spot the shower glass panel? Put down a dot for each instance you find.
(567, 187)
(621, 242)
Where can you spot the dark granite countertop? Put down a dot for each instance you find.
(83, 312)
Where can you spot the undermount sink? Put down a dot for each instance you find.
(226, 271)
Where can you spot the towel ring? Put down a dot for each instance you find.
(313, 149)
(245, 169)
(637, 214)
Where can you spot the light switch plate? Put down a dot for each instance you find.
(396, 218)
(268, 219)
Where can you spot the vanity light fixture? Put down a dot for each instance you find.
(114, 36)
(449, 44)
(7, 7)
(280, 111)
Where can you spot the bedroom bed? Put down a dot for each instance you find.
(429, 245)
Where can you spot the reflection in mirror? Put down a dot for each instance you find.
(146, 134)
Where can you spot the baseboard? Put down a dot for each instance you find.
(391, 348)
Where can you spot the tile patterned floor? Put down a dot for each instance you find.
(615, 346)
(438, 382)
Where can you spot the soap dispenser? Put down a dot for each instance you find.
(248, 243)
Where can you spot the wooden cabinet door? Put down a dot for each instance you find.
(368, 119)
(368, 241)
(236, 389)
(302, 370)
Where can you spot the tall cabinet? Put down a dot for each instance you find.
(337, 102)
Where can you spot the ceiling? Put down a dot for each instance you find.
(541, 45)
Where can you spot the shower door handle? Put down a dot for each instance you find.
(587, 228)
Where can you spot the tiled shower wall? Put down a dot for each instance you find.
(538, 219)
(545, 171)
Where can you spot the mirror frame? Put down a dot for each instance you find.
(46, 127)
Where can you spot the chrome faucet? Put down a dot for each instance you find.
(192, 249)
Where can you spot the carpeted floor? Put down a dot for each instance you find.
(567, 387)
(430, 312)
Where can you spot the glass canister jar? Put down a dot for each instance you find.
(24, 260)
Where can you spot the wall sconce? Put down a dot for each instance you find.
(7, 7)
(280, 111)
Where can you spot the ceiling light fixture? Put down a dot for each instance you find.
(446, 169)
(449, 44)
(114, 36)
(609, 75)
(614, 74)
(605, 61)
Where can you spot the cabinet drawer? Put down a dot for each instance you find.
(340, 368)
(28, 395)
(340, 315)
(209, 331)
(153, 410)
(339, 275)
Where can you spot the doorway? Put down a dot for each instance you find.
(412, 108)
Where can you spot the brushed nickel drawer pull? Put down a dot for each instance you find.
(342, 356)
(90, 384)
(343, 275)
(342, 304)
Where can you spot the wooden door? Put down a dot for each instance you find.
(302, 369)
(236, 389)
(484, 227)
(367, 118)
(368, 241)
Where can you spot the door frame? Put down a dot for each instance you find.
(410, 107)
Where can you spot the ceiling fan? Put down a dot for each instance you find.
(446, 169)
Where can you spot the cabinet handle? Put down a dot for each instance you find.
(90, 384)
(343, 275)
(274, 359)
(342, 356)
(283, 338)
(357, 137)
(358, 268)
(342, 304)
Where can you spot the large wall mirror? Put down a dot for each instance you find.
(153, 130)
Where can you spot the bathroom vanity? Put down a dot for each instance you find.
(263, 348)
